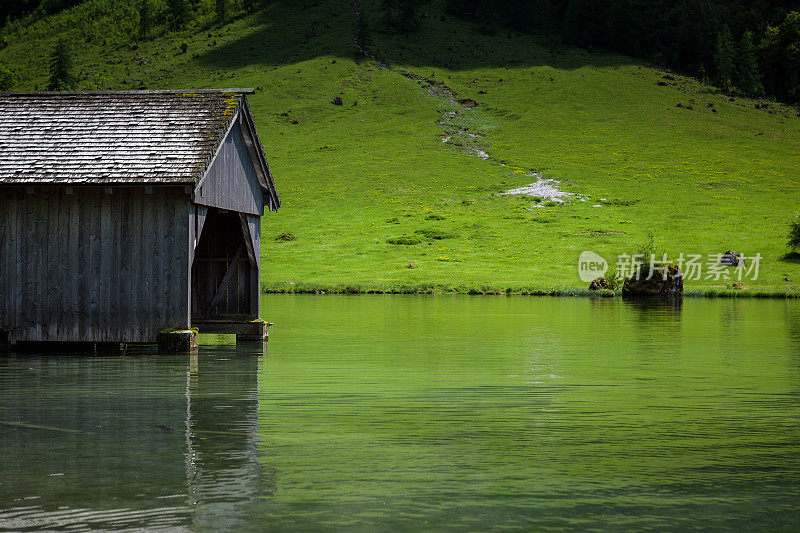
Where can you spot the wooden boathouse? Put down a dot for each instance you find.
(124, 214)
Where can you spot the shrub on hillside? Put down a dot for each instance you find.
(435, 234)
(794, 234)
(408, 240)
(648, 246)
(285, 237)
(644, 251)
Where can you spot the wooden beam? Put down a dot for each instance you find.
(254, 224)
(220, 327)
(202, 215)
(192, 231)
(248, 240)
(226, 280)
(218, 259)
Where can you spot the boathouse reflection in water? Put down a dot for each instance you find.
(96, 451)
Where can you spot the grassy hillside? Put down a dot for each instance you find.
(374, 171)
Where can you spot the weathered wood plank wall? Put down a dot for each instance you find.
(93, 264)
(231, 182)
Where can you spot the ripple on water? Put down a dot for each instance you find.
(400, 412)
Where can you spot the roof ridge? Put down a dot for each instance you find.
(247, 90)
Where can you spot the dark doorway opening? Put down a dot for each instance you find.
(224, 270)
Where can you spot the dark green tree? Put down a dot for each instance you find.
(781, 48)
(794, 234)
(456, 8)
(6, 78)
(723, 58)
(363, 35)
(407, 14)
(54, 6)
(179, 12)
(517, 14)
(145, 19)
(702, 75)
(686, 35)
(61, 68)
(221, 10)
(747, 77)
(541, 15)
(388, 9)
(574, 28)
(401, 13)
(251, 6)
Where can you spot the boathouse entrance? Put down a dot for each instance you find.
(225, 270)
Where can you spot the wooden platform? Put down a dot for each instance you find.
(245, 328)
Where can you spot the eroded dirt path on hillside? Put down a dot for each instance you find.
(457, 136)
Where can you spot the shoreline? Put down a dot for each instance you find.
(435, 290)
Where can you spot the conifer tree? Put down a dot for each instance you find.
(781, 49)
(145, 20)
(221, 9)
(61, 76)
(407, 14)
(251, 6)
(179, 12)
(388, 8)
(573, 29)
(401, 13)
(723, 59)
(747, 79)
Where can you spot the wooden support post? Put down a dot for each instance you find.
(258, 332)
(177, 341)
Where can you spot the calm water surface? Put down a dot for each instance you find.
(407, 413)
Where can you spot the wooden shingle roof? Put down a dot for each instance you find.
(119, 137)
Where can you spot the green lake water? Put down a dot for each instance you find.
(375, 413)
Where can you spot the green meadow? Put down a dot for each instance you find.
(389, 192)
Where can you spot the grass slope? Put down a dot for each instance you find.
(374, 171)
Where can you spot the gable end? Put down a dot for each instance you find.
(231, 181)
